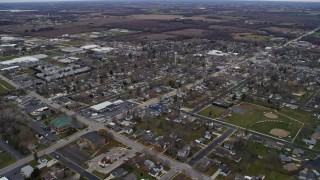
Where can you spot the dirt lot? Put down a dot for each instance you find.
(271, 115)
(279, 132)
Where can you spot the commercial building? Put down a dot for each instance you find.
(105, 106)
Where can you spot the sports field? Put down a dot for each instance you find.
(261, 119)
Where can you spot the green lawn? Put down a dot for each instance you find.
(162, 127)
(99, 174)
(311, 123)
(34, 163)
(256, 114)
(5, 159)
(317, 34)
(270, 165)
(297, 114)
(252, 37)
(213, 111)
(5, 87)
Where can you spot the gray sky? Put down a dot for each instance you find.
(133, 0)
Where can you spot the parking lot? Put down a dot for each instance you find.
(74, 154)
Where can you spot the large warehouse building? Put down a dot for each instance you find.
(106, 106)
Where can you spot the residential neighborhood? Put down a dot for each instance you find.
(170, 90)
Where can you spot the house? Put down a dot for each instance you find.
(311, 176)
(303, 174)
(241, 177)
(184, 152)
(158, 167)
(118, 173)
(27, 171)
(228, 145)
(224, 170)
(273, 145)
(208, 135)
(204, 164)
(94, 140)
(60, 125)
(200, 140)
(104, 162)
(42, 163)
(257, 139)
(128, 130)
(309, 141)
(285, 159)
(297, 152)
(315, 135)
(154, 173)
(149, 164)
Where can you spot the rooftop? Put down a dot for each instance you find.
(60, 122)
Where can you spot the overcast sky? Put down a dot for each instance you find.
(133, 0)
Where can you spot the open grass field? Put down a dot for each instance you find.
(251, 37)
(317, 34)
(213, 112)
(4, 86)
(262, 119)
(286, 30)
(255, 118)
(311, 123)
(5, 159)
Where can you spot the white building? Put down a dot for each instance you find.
(26, 171)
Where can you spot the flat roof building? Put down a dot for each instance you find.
(106, 106)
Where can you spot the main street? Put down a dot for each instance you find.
(92, 127)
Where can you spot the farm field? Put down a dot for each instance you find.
(251, 37)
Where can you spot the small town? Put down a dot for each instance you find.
(158, 91)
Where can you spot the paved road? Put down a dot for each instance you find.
(210, 147)
(36, 125)
(302, 105)
(48, 150)
(92, 127)
(298, 38)
(16, 154)
(252, 132)
(74, 166)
